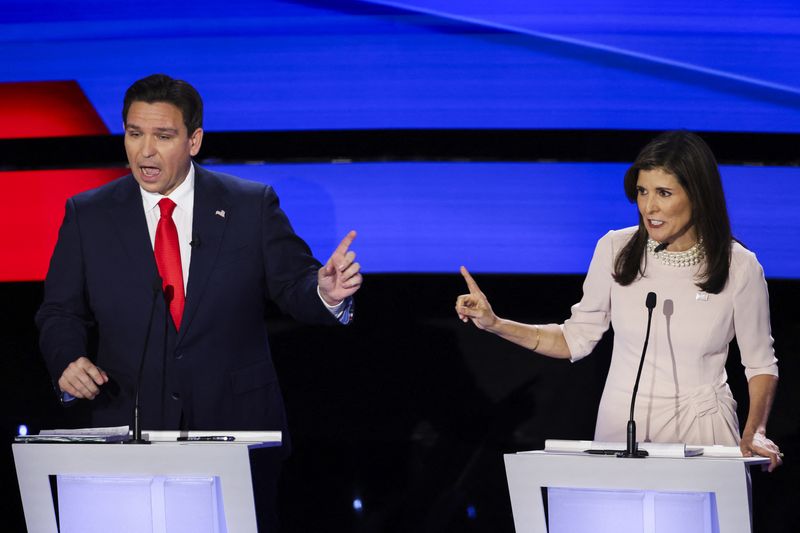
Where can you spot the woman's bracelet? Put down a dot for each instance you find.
(538, 337)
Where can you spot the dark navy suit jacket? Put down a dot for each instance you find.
(216, 371)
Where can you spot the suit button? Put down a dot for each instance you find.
(178, 354)
(176, 396)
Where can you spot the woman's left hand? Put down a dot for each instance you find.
(759, 444)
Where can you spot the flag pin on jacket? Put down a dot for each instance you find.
(220, 213)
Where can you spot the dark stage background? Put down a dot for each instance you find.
(410, 411)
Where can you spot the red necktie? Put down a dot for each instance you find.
(168, 259)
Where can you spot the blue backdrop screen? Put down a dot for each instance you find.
(349, 64)
(729, 65)
(500, 217)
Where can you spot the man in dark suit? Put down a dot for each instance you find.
(187, 259)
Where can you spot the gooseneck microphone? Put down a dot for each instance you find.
(137, 426)
(632, 450)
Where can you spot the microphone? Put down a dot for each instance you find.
(660, 248)
(169, 295)
(195, 242)
(632, 450)
(137, 426)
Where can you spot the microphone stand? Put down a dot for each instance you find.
(632, 450)
(137, 427)
(169, 294)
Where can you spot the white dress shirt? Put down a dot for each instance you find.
(183, 196)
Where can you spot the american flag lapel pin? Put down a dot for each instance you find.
(220, 213)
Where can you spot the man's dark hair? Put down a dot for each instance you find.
(687, 157)
(162, 88)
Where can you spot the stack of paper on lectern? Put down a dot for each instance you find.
(653, 449)
(84, 435)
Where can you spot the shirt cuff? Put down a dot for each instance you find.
(67, 398)
(343, 311)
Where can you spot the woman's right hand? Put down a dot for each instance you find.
(474, 306)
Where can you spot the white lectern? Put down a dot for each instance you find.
(637, 495)
(165, 486)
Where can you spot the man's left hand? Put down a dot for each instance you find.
(341, 275)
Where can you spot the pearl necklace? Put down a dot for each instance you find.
(692, 256)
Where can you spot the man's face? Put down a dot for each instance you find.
(158, 146)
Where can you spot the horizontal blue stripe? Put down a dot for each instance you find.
(505, 218)
(341, 64)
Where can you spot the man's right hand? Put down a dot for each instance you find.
(82, 379)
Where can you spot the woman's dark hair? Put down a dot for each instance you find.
(687, 157)
(161, 88)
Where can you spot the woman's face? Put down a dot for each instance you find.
(666, 209)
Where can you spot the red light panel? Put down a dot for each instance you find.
(35, 205)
